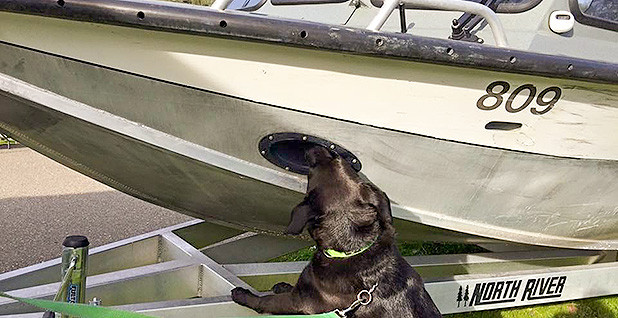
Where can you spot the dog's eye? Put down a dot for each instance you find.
(364, 204)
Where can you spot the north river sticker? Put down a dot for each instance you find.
(507, 291)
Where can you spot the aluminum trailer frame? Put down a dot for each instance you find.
(188, 270)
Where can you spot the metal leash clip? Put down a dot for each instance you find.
(363, 298)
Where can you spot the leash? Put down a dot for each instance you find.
(363, 298)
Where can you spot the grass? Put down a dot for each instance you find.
(605, 307)
(406, 249)
(435, 248)
(300, 255)
(4, 142)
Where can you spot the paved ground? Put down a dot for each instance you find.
(42, 201)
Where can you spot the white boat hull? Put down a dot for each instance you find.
(176, 119)
(429, 100)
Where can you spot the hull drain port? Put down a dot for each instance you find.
(287, 151)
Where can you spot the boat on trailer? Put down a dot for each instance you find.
(481, 127)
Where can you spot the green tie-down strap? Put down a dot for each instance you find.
(89, 311)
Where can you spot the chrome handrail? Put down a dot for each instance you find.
(220, 4)
(447, 5)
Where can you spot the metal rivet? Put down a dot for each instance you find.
(354, 161)
(304, 137)
(270, 137)
(263, 152)
(570, 67)
(332, 146)
(287, 168)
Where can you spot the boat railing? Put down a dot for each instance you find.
(444, 5)
(220, 4)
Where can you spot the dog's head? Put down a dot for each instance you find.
(340, 210)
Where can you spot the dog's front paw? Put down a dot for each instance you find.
(241, 296)
(280, 288)
(246, 298)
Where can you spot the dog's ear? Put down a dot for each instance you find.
(301, 214)
(381, 202)
(375, 205)
(385, 212)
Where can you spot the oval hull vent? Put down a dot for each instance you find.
(287, 151)
(502, 125)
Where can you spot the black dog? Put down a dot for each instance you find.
(351, 222)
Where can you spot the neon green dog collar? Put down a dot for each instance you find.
(330, 253)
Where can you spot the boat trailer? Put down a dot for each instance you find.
(188, 270)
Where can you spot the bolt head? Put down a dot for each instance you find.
(332, 146)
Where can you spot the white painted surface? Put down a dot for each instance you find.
(425, 99)
(581, 281)
(561, 21)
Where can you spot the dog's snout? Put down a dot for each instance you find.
(318, 155)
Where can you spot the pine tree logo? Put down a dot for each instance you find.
(463, 296)
(460, 297)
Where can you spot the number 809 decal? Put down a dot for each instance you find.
(503, 88)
